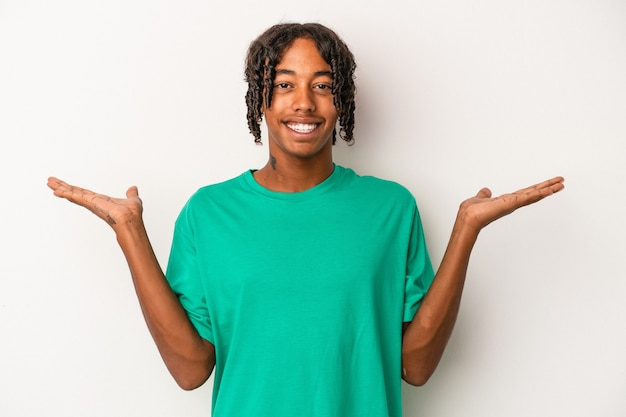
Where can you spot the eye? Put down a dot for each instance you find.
(324, 87)
(281, 85)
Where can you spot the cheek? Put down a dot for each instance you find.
(329, 107)
(335, 115)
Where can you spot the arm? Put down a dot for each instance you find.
(189, 358)
(426, 336)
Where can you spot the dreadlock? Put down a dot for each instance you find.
(266, 51)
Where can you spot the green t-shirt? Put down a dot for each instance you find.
(302, 294)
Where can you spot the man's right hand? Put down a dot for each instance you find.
(189, 358)
(115, 211)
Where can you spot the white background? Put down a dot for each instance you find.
(452, 96)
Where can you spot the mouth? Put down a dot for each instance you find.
(302, 127)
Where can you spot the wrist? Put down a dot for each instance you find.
(464, 228)
(130, 232)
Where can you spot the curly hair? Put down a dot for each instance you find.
(266, 51)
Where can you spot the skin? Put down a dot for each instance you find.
(297, 161)
(426, 336)
(302, 95)
(189, 358)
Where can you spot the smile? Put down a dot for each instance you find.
(302, 127)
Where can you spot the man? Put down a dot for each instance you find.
(307, 287)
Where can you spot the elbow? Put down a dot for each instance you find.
(189, 381)
(420, 360)
(415, 378)
(418, 367)
(188, 385)
(414, 374)
(192, 375)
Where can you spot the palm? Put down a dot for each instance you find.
(483, 209)
(115, 211)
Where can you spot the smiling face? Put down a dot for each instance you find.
(302, 116)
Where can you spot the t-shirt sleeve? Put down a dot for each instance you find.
(419, 270)
(184, 278)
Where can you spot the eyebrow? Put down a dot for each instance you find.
(292, 72)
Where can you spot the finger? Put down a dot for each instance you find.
(548, 186)
(484, 193)
(556, 184)
(60, 188)
(77, 195)
(552, 185)
(537, 192)
(132, 192)
(55, 183)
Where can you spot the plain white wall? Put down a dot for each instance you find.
(453, 96)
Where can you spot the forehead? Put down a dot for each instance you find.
(303, 54)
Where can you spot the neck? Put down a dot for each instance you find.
(291, 176)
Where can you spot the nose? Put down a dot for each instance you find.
(303, 100)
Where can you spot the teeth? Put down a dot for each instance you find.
(302, 127)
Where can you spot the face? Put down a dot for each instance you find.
(302, 116)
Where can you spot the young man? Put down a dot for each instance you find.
(307, 287)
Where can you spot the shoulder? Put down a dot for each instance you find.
(220, 193)
(219, 189)
(376, 187)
